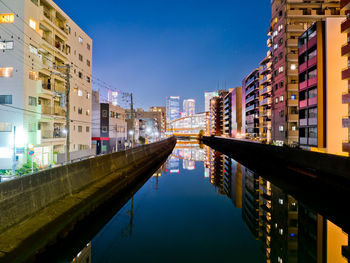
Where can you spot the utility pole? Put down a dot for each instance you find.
(14, 152)
(67, 112)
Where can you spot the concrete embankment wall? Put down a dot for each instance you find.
(63, 188)
(251, 154)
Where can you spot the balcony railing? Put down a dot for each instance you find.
(302, 67)
(312, 101)
(312, 62)
(303, 85)
(302, 103)
(345, 50)
(250, 99)
(312, 82)
(312, 42)
(346, 122)
(346, 97)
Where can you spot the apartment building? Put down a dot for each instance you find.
(188, 108)
(109, 128)
(321, 87)
(228, 114)
(217, 113)
(345, 51)
(38, 41)
(289, 20)
(162, 120)
(250, 104)
(265, 98)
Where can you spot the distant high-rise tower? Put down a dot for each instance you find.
(113, 97)
(207, 97)
(189, 108)
(172, 108)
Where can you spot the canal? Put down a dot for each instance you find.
(202, 206)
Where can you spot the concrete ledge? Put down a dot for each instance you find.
(324, 166)
(37, 209)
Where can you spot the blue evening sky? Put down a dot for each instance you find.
(158, 48)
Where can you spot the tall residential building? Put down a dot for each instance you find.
(265, 98)
(236, 111)
(321, 86)
(289, 20)
(250, 104)
(172, 108)
(207, 97)
(162, 111)
(38, 42)
(228, 114)
(345, 51)
(189, 108)
(217, 113)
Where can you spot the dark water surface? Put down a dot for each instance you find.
(202, 206)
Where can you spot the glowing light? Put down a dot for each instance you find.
(32, 24)
(7, 18)
(131, 132)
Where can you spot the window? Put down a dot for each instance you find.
(104, 113)
(33, 24)
(294, 127)
(280, 69)
(280, 201)
(80, 93)
(312, 74)
(80, 110)
(7, 18)
(280, 27)
(312, 113)
(88, 79)
(281, 128)
(88, 95)
(87, 129)
(312, 93)
(281, 98)
(275, 46)
(80, 39)
(281, 84)
(5, 127)
(68, 50)
(276, 100)
(6, 45)
(112, 114)
(80, 57)
(33, 75)
(88, 63)
(68, 29)
(282, 113)
(6, 72)
(33, 50)
(313, 132)
(104, 129)
(88, 46)
(275, 60)
(32, 101)
(87, 112)
(80, 128)
(80, 75)
(280, 55)
(5, 99)
(280, 41)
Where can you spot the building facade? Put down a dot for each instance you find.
(321, 87)
(345, 51)
(250, 104)
(207, 97)
(109, 129)
(39, 45)
(172, 108)
(162, 110)
(189, 108)
(289, 20)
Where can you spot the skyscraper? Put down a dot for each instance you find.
(172, 108)
(207, 97)
(189, 107)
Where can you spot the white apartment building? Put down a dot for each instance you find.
(37, 40)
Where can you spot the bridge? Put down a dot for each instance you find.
(189, 126)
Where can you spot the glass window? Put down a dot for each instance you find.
(104, 113)
(33, 75)
(80, 57)
(33, 24)
(88, 46)
(6, 72)
(281, 98)
(33, 50)
(87, 129)
(80, 39)
(312, 113)
(281, 128)
(6, 45)
(80, 93)
(88, 63)
(7, 18)
(313, 132)
(104, 129)
(312, 93)
(80, 75)
(80, 110)
(5, 127)
(32, 101)
(5, 99)
(80, 128)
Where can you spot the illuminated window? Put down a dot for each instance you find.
(281, 98)
(6, 45)
(280, 69)
(294, 128)
(32, 24)
(5, 99)
(276, 100)
(88, 95)
(80, 110)
(80, 40)
(6, 72)
(33, 50)
(281, 128)
(280, 201)
(33, 75)
(80, 93)
(7, 18)
(281, 231)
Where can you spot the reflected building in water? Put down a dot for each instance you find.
(288, 230)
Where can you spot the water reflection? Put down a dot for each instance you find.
(289, 231)
(175, 208)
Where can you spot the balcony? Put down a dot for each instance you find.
(265, 90)
(312, 62)
(303, 67)
(292, 87)
(345, 50)
(292, 42)
(292, 103)
(312, 121)
(292, 13)
(302, 103)
(346, 122)
(303, 140)
(250, 91)
(312, 82)
(265, 102)
(303, 85)
(346, 98)
(303, 122)
(345, 26)
(250, 99)
(346, 73)
(293, 118)
(252, 107)
(292, 133)
(60, 112)
(45, 109)
(295, 28)
(312, 101)
(292, 57)
(346, 147)
(312, 42)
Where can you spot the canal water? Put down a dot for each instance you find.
(202, 206)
